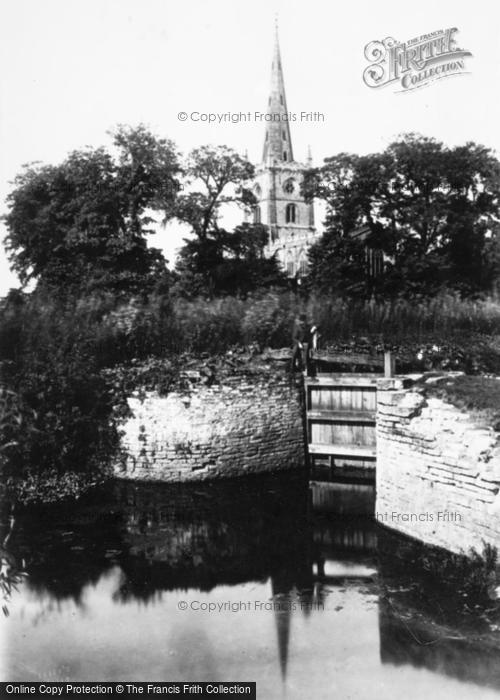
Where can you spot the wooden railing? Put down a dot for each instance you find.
(385, 363)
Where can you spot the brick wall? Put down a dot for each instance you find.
(245, 425)
(438, 474)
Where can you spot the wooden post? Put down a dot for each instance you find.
(389, 364)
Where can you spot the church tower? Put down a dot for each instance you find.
(280, 205)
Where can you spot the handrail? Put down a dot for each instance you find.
(386, 362)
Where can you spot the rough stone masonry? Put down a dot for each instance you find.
(242, 425)
(438, 474)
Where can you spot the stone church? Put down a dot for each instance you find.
(277, 184)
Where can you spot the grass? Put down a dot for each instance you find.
(480, 396)
(466, 579)
(449, 333)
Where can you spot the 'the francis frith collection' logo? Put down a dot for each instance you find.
(414, 63)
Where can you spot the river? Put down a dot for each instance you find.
(272, 580)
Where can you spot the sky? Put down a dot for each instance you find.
(73, 70)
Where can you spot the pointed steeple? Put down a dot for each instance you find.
(278, 143)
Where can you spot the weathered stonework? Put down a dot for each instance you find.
(245, 425)
(438, 474)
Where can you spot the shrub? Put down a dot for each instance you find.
(61, 400)
(268, 319)
(207, 326)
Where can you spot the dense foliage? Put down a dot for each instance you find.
(227, 263)
(81, 226)
(216, 261)
(432, 211)
(59, 402)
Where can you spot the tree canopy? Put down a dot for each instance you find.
(433, 212)
(227, 262)
(82, 225)
(215, 176)
(216, 260)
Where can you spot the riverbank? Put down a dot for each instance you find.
(189, 373)
(69, 364)
(479, 396)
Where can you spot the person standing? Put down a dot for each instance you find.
(312, 347)
(299, 336)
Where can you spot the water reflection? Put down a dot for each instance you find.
(408, 638)
(307, 600)
(422, 625)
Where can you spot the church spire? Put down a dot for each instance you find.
(278, 143)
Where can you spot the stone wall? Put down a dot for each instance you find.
(438, 474)
(243, 425)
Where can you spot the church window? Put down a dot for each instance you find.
(290, 213)
(284, 135)
(289, 187)
(281, 99)
(285, 155)
(256, 215)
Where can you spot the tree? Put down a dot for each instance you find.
(82, 225)
(337, 265)
(432, 209)
(228, 263)
(149, 166)
(215, 260)
(217, 176)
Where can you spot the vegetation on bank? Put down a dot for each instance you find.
(69, 364)
(469, 578)
(106, 313)
(479, 396)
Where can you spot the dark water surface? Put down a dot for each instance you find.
(284, 584)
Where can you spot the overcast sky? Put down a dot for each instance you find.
(72, 70)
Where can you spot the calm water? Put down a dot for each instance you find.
(284, 584)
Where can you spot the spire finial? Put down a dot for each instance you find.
(276, 33)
